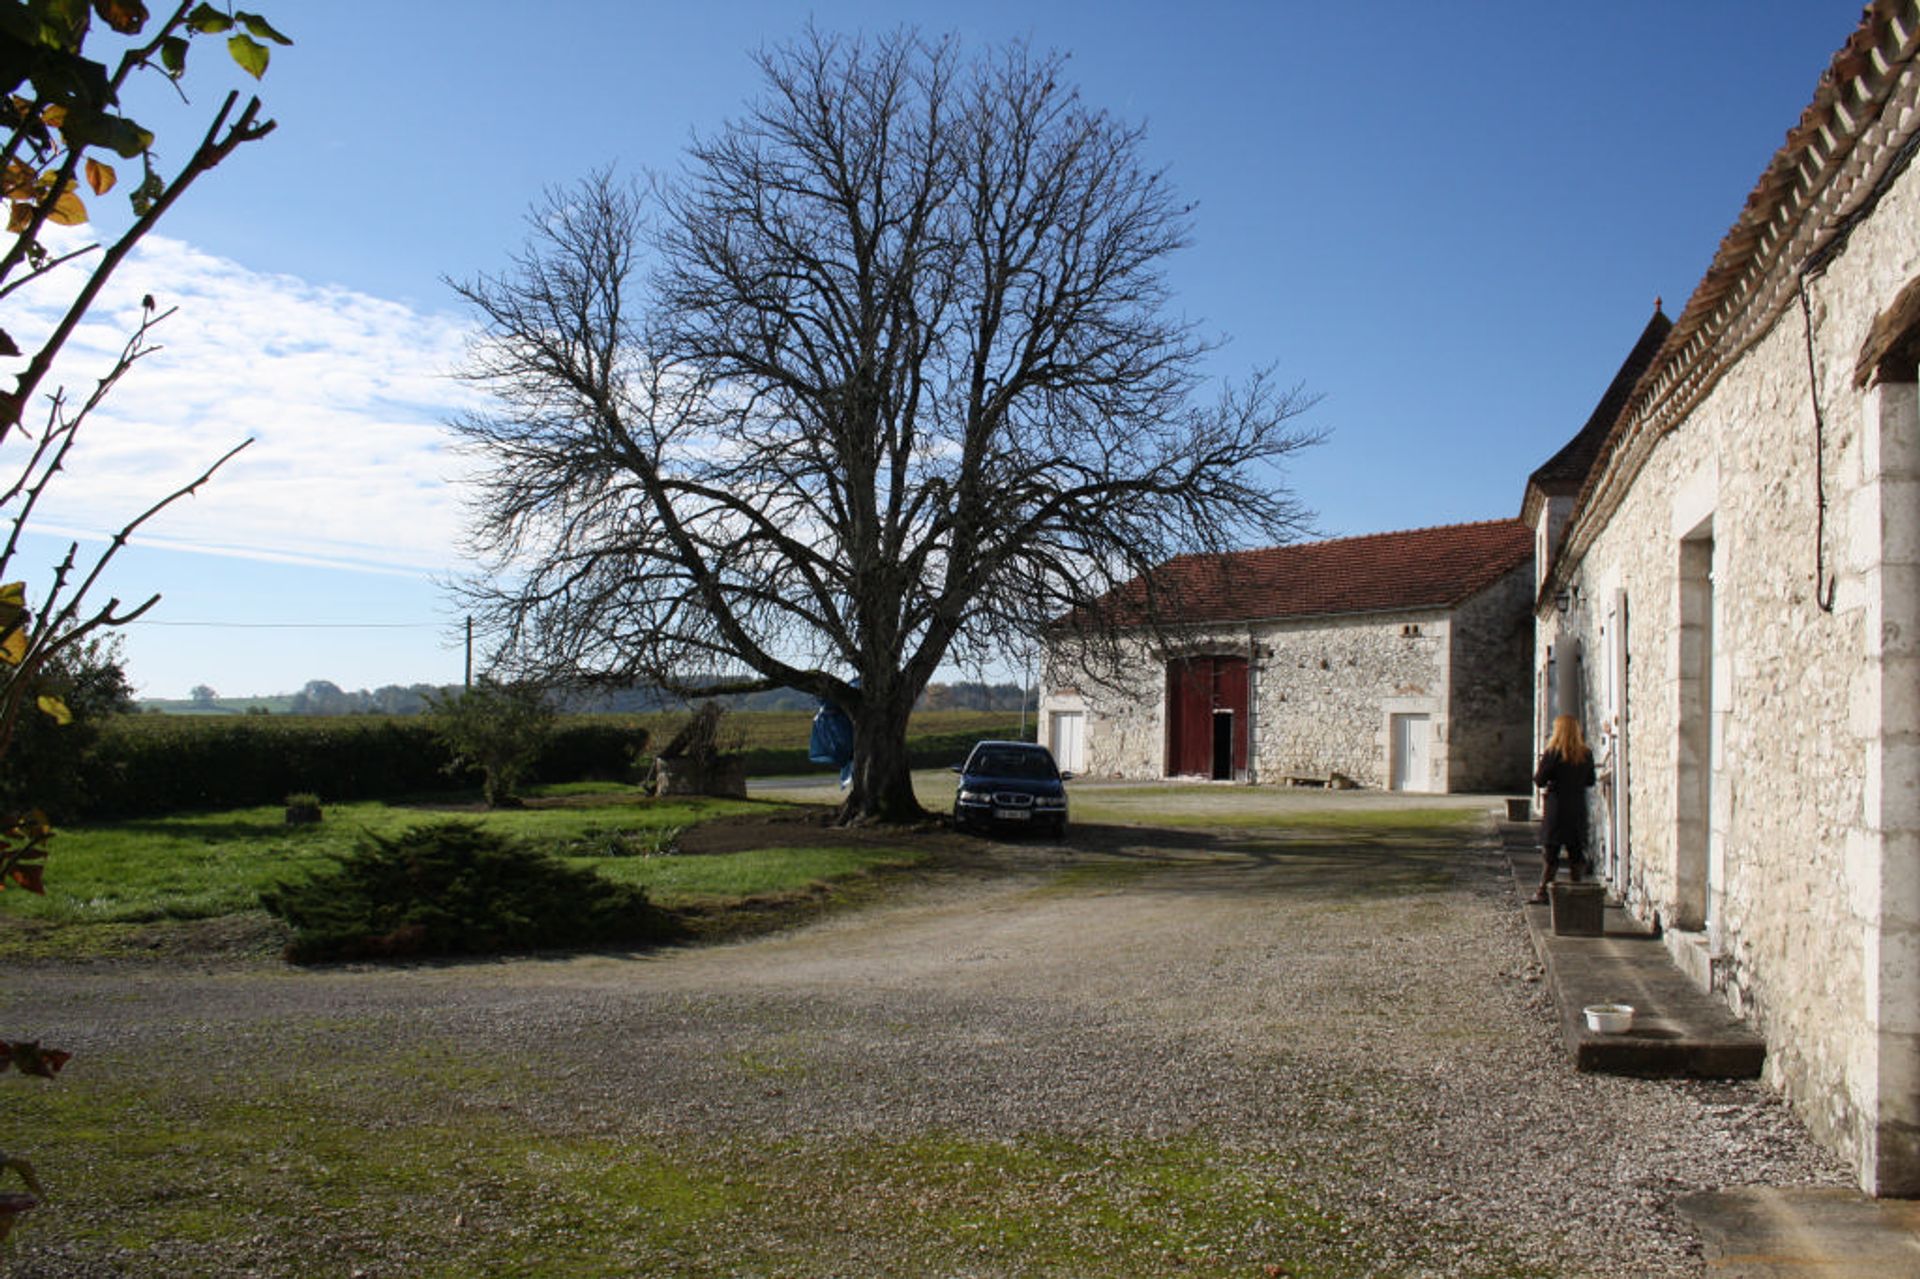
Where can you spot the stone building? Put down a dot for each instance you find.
(1396, 660)
(1548, 505)
(1735, 586)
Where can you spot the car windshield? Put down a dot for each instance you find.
(1010, 762)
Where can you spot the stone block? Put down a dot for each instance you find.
(1898, 519)
(723, 775)
(1863, 853)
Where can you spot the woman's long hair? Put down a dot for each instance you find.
(1568, 742)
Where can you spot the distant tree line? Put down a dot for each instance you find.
(971, 695)
(323, 697)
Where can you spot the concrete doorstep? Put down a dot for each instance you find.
(1764, 1232)
(1679, 1031)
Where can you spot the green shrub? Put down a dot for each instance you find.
(496, 728)
(454, 888)
(53, 766)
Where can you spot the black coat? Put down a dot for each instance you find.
(1565, 781)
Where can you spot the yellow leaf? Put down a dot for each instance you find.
(19, 217)
(67, 210)
(249, 53)
(100, 177)
(19, 182)
(13, 649)
(54, 709)
(14, 593)
(54, 114)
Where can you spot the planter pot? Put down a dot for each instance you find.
(1579, 910)
(1609, 1019)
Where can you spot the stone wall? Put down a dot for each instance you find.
(1324, 690)
(1490, 745)
(1125, 710)
(1325, 687)
(1770, 758)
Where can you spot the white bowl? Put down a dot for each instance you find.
(1609, 1019)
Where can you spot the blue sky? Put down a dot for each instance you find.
(1449, 220)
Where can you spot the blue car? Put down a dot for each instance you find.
(1011, 785)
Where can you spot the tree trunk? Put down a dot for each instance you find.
(882, 785)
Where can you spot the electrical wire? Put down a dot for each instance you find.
(305, 626)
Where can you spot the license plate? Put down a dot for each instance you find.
(1011, 814)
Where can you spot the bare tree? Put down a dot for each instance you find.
(887, 378)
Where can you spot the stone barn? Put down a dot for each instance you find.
(1396, 660)
(1735, 590)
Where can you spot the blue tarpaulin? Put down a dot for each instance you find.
(832, 739)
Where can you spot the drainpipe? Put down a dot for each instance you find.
(1253, 719)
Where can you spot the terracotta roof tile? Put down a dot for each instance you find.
(1422, 568)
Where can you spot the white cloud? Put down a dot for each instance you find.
(343, 394)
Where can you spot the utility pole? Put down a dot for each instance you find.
(469, 684)
(1026, 686)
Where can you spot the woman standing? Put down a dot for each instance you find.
(1565, 774)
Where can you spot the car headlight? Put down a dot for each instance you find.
(975, 797)
(1050, 801)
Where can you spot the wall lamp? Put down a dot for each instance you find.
(1566, 599)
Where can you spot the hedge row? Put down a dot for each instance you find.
(156, 764)
(147, 764)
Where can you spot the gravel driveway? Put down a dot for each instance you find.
(1349, 1035)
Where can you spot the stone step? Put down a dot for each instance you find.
(1679, 1030)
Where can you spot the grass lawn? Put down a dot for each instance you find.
(753, 872)
(104, 879)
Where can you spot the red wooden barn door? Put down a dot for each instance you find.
(1207, 717)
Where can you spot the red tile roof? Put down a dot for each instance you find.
(1423, 568)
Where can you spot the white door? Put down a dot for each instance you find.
(1067, 738)
(1412, 767)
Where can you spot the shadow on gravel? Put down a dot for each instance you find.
(1351, 863)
